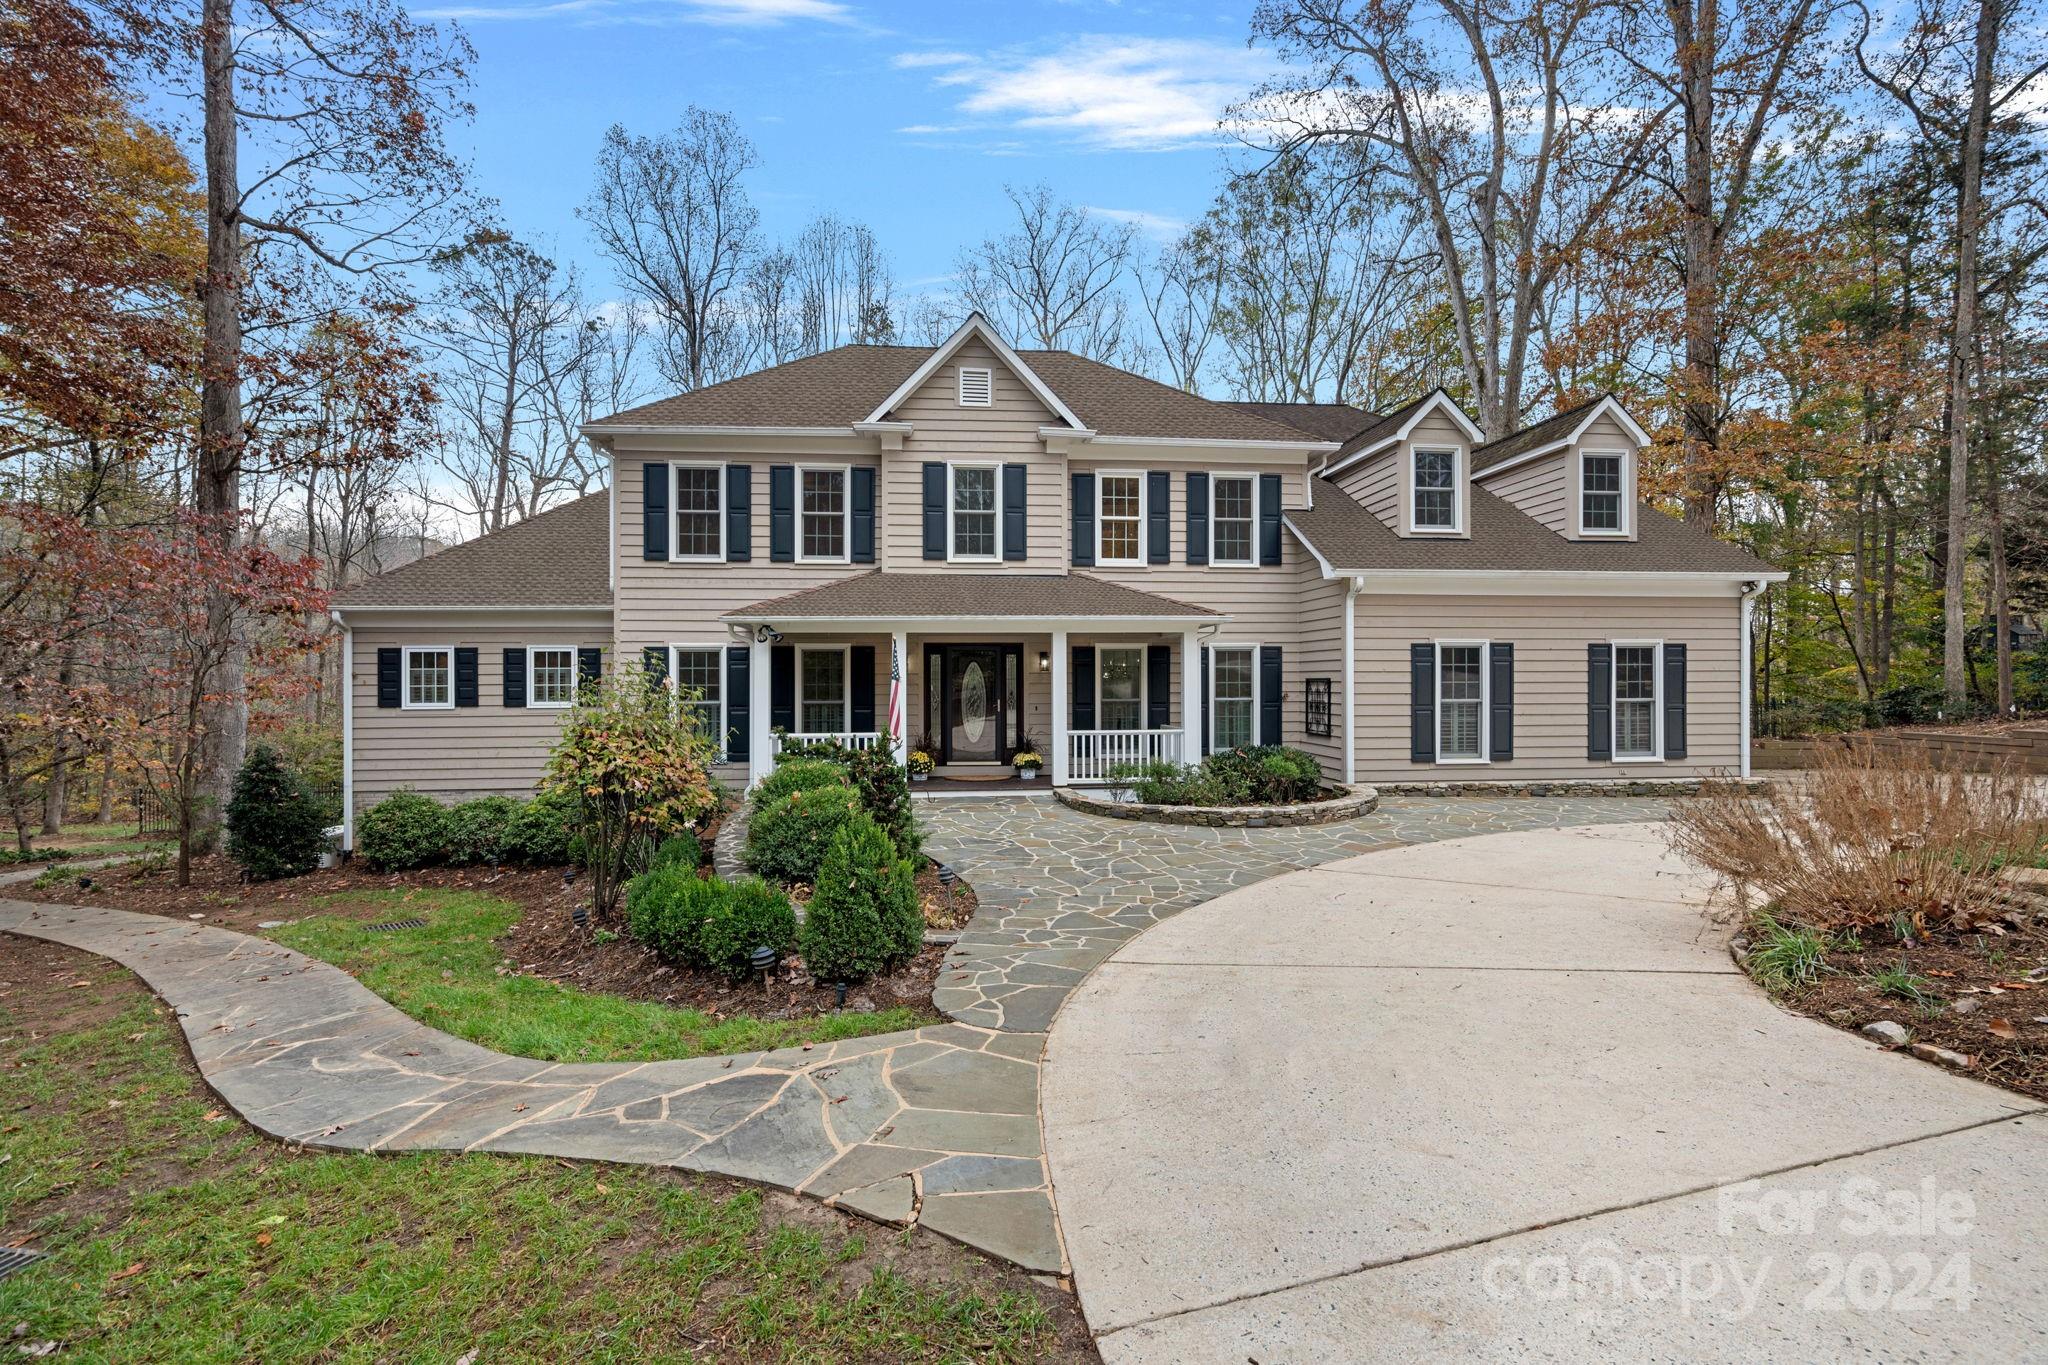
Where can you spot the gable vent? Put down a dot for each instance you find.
(976, 388)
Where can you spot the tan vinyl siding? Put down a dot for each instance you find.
(1006, 432)
(1550, 636)
(1321, 607)
(1376, 486)
(1538, 489)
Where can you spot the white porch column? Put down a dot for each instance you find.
(760, 737)
(1350, 679)
(1748, 682)
(1059, 709)
(899, 695)
(1190, 698)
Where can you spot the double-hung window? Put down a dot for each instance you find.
(700, 511)
(1600, 491)
(1461, 702)
(697, 675)
(821, 697)
(1120, 519)
(550, 675)
(977, 529)
(1635, 700)
(429, 677)
(824, 514)
(1436, 490)
(1123, 689)
(1233, 701)
(1232, 515)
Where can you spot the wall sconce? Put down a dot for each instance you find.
(1044, 662)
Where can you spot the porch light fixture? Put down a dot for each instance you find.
(767, 635)
(1044, 661)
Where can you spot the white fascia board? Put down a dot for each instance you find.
(680, 429)
(1609, 405)
(379, 609)
(1217, 443)
(1306, 544)
(1557, 583)
(1437, 400)
(977, 325)
(1036, 625)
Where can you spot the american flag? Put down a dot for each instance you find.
(895, 693)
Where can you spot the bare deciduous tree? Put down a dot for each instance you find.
(1053, 281)
(1180, 288)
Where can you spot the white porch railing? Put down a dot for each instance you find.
(1092, 753)
(852, 739)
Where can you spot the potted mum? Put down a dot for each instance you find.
(921, 765)
(1028, 763)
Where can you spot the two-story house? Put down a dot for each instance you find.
(980, 548)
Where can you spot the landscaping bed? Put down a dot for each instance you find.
(1331, 804)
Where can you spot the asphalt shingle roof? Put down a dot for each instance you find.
(557, 559)
(1324, 421)
(1386, 426)
(991, 595)
(1553, 428)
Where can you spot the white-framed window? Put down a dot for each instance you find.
(1234, 519)
(429, 677)
(974, 517)
(1120, 691)
(1233, 695)
(698, 672)
(1638, 687)
(1461, 698)
(550, 675)
(1601, 490)
(821, 690)
(977, 386)
(823, 513)
(1119, 518)
(1434, 504)
(699, 516)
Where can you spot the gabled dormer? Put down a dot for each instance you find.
(1575, 472)
(1413, 468)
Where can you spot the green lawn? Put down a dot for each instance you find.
(178, 1234)
(452, 975)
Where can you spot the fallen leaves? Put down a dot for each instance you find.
(2002, 1028)
(133, 1270)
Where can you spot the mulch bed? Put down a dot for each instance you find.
(1980, 995)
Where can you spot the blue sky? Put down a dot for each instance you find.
(909, 117)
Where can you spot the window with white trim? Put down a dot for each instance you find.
(1121, 699)
(1120, 519)
(977, 527)
(429, 677)
(824, 514)
(1461, 702)
(1600, 476)
(700, 511)
(821, 691)
(1234, 502)
(698, 673)
(1636, 683)
(1436, 490)
(550, 675)
(1233, 696)
(977, 387)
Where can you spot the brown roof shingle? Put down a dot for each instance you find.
(1553, 428)
(978, 595)
(1504, 538)
(557, 559)
(1324, 421)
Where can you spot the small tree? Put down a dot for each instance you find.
(637, 769)
(275, 825)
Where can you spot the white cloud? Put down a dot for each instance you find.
(754, 13)
(1157, 226)
(908, 61)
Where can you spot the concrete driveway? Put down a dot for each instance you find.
(1506, 1096)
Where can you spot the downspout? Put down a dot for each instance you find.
(348, 732)
(1351, 590)
(1747, 593)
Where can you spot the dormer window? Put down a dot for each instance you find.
(1435, 505)
(977, 387)
(1600, 493)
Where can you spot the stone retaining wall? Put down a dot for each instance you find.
(1354, 802)
(1663, 786)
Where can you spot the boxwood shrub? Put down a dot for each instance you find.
(744, 915)
(787, 839)
(478, 830)
(405, 830)
(664, 908)
(863, 918)
(538, 832)
(799, 775)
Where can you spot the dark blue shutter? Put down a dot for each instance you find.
(738, 702)
(782, 687)
(515, 677)
(934, 511)
(1014, 545)
(1269, 518)
(388, 663)
(782, 513)
(1501, 703)
(739, 513)
(1205, 699)
(863, 515)
(654, 660)
(860, 691)
(1674, 701)
(1270, 693)
(654, 510)
(1198, 518)
(589, 664)
(465, 676)
(1159, 516)
(1083, 519)
(1599, 702)
(1422, 703)
(1158, 686)
(1082, 687)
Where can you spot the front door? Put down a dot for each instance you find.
(975, 710)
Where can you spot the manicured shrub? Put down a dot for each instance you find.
(740, 917)
(538, 832)
(863, 918)
(274, 824)
(679, 850)
(664, 908)
(787, 840)
(883, 785)
(478, 830)
(404, 830)
(799, 775)
(1259, 775)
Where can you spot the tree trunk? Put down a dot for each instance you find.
(217, 484)
(107, 783)
(1695, 33)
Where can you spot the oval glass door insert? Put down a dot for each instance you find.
(974, 702)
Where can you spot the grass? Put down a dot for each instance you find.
(452, 975)
(1903, 984)
(1785, 956)
(180, 1235)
